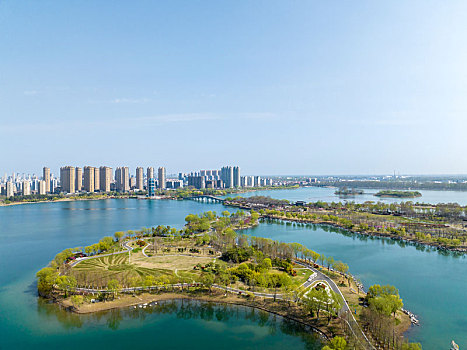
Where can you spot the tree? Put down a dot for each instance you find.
(113, 286)
(66, 283)
(208, 280)
(77, 300)
(266, 264)
(336, 343)
(118, 235)
(46, 279)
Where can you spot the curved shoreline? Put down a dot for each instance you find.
(110, 305)
(367, 233)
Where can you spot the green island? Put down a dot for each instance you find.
(398, 194)
(209, 260)
(440, 226)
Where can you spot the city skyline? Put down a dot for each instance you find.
(310, 88)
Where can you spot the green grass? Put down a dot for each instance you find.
(114, 266)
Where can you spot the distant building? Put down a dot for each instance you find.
(10, 189)
(161, 177)
(78, 179)
(139, 179)
(67, 179)
(197, 181)
(26, 188)
(89, 179)
(150, 172)
(151, 187)
(227, 176)
(105, 178)
(236, 176)
(132, 182)
(122, 178)
(257, 182)
(42, 187)
(174, 183)
(97, 182)
(46, 178)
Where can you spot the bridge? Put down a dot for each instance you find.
(206, 199)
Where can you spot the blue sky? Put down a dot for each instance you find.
(277, 87)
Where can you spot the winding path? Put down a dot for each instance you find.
(316, 276)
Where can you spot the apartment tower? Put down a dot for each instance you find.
(161, 177)
(139, 179)
(122, 178)
(96, 179)
(67, 179)
(105, 178)
(46, 178)
(89, 179)
(79, 179)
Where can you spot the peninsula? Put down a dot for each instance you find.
(208, 260)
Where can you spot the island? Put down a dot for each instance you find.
(209, 260)
(398, 194)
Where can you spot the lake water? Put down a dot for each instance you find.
(313, 194)
(432, 285)
(32, 234)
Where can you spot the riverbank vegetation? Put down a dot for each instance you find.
(438, 184)
(35, 198)
(207, 258)
(441, 225)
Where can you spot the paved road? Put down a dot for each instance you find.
(316, 276)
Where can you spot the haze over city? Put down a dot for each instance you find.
(315, 88)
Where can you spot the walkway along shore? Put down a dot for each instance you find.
(316, 276)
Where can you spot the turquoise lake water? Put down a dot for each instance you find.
(32, 234)
(432, 284)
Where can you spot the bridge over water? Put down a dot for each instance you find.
(206, 199)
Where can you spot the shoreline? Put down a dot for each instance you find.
(228, 299)
(372, 234)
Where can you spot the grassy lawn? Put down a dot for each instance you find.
(302, 275)
(102, 269)
(171, 262)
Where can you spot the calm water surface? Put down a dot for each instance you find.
(433, 285)
(313, 194)
(32, 234)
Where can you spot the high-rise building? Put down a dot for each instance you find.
(26, 188)
(161, 177)
(105, 178)
(42, 187)
(10, 189)
(122, 178)
(46, 178)
(151, 187)
(89, 179)
(198, 182)
(227, 175)
(139, 179)
(236, 176)
(67, 179)
(150, 172)
(79, 179)
(257, 182)
(97, 183)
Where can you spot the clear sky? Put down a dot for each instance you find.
(277, 87)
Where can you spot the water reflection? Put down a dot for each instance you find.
(364, 238)
(182, 310)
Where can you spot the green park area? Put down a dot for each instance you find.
(208, 260)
